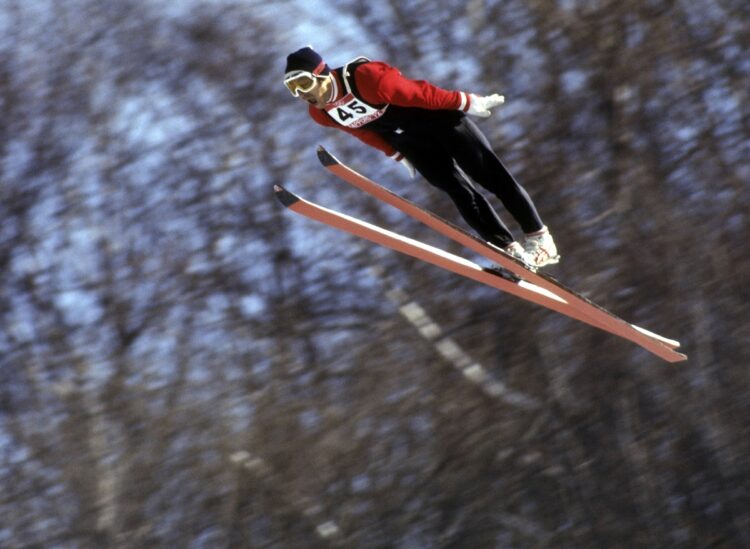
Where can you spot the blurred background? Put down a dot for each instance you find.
(183, 363)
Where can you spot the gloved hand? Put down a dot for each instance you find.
(406, 164)
(480, 106)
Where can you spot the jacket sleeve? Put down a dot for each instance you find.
(366, 136)
(379, 83)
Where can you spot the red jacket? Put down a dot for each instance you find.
(381, 84)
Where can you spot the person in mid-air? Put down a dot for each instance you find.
(426, 129)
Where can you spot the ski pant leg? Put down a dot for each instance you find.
(437, 166)
(474, 155)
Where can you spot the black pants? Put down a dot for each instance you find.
(448, 157)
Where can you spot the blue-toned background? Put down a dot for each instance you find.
(184, 363)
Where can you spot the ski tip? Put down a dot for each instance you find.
(676, 357)
(284, 196)
(325, 157)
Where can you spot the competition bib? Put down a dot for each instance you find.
(352, 112)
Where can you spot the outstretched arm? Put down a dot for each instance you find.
(379, 83)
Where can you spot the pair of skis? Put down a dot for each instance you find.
(513, 276)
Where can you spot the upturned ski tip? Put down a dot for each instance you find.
(326, 158)
(284, 196)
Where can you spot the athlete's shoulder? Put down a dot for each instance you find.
(371, 66)
(372, 72)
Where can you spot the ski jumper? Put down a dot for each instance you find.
(428, 126)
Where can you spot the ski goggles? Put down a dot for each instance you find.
(300, 82)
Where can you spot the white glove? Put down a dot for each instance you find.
(480, 106)
(406, 164)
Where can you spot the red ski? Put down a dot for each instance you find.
(518, 280)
